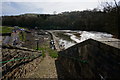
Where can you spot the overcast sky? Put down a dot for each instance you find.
(16, 7)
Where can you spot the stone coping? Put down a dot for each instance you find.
(110, 41)
(20, 48)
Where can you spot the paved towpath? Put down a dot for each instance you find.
(56, 40)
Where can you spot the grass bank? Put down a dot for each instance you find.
(45, 49)
(6, 29)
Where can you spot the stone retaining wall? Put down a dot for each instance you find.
(20, 56)
(91, 59)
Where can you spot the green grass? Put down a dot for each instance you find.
(45, 49)
(53, 53)
(5, 29)
(41, 49)
(43, 55)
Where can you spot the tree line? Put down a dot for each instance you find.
(105, 20)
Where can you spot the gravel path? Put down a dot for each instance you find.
(46, 69)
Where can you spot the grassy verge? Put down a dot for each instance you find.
(46, 49)
(53, 53)
(43, 55)
(5, 29)
(43, 50)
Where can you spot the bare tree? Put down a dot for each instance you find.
(113, 6)
(117, 17)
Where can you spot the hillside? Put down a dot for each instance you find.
(106, 20)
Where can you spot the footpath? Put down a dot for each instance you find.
(46, 69)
